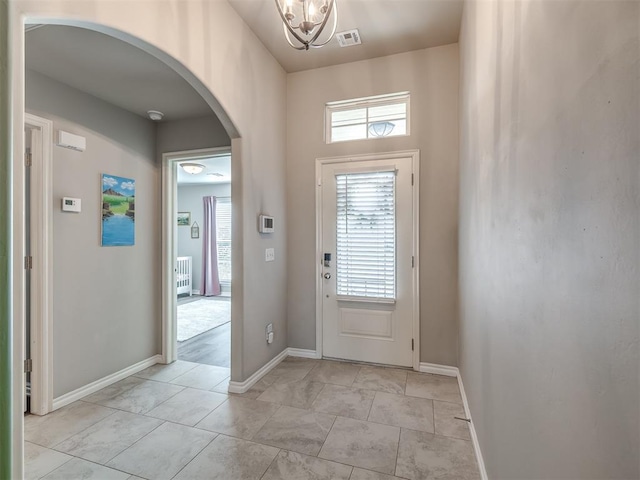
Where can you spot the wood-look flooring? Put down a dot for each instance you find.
(212, 347)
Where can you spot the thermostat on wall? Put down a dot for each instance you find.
(71, 204)
(265, 224)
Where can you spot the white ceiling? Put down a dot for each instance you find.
(219, 164)
(112, 70)
(387, 27)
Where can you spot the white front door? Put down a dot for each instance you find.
(367, 236)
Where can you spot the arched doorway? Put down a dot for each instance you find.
(210, 100)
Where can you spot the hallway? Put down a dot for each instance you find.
(305, 419)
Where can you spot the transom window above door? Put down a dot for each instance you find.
(365, 118)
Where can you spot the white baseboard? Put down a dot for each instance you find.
(472, 430)
(455, 372)
(242, 387)
(195, 292)
(93, 387)
(438, 369)
(302, 353)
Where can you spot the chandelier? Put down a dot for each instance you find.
(304, 20)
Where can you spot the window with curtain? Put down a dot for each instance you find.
(223, 239)
(366, 235)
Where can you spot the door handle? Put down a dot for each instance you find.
(327, 276)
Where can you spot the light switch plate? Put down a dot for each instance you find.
(269, 254)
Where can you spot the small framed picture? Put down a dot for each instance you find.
(195, 230)
(184, 219)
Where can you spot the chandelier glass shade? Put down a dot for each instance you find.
(303, 21)
(192, 168)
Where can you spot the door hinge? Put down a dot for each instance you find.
(28, 159)
(413, 261)
(28, 262)
(412, 345)
(412, 179)
(28, 365)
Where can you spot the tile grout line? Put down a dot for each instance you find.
(137, 441)
(56, 468)
(269, 466)
(395, 470)
(52, 447)
(196, 455)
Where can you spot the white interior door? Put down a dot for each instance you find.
(367, 276)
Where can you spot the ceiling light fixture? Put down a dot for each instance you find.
(381, 129)
(155, 115)
(192, 168)
(313, 16)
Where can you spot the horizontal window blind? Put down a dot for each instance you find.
(223, 239)
(366, 235)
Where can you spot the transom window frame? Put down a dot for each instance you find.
(366, 102)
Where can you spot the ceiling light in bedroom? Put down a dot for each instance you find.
(304, 20)
(192, 168)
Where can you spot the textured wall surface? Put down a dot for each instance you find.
(431, 76)
(550, 236)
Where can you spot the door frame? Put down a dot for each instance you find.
(41, 205)
(415, 165)
(170, 162)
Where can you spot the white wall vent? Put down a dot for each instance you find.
(349, 38)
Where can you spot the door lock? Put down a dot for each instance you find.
(327, 276)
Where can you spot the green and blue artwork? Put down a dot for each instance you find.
(118, 211)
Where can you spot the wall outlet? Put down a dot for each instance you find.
(269, 254)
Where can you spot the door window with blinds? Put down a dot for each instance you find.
(366, 236)
(223, 239)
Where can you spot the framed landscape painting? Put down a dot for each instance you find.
(184, 219)
(118, 211)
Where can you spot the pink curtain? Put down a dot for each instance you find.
(210, 279)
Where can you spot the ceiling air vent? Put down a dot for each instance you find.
(349, 38)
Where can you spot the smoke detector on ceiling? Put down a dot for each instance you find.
(349, 38)
(155, 115)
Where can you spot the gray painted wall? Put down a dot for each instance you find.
(191, 134)
(549, 236)
(190, 200)
(432, 78)
(105, 299)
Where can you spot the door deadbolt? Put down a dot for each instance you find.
(327, 276)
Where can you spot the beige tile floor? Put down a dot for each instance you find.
(306, 419)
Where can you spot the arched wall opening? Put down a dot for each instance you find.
(207, 41)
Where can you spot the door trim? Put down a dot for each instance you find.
(415, 165)
(170, 245)
(42, 272)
